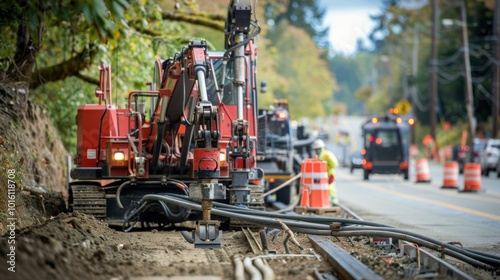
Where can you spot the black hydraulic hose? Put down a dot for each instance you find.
(248, 218)
(129, 214)
(126, 183)
(119, 191)
(188, 236)
(180, 216)
(263, 240)
(485, 259)
(272, 231)
(285, 243)
(275, 234)
(483, 253)
(160, 135)
(244, 42)
(328, 220)
(311, 219)
(454, 253)
(309, 228)
(174, 217)
(408, 238)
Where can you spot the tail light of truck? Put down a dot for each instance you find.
(403, 165)
(367, 164)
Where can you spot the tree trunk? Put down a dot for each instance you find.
(25, 53)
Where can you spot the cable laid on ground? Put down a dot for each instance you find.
(481, 257)
(478, 260)
(265, 269)
(342, 221)
(239, 270)
(251, 269)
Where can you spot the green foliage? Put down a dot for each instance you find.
(377, 103)
(130, 37)
(450, 137)
(104, 16)
(363, 93)
(63, 110)
(400, 30)
(308, 81)
(353, 74)
(132, 66)
(303, 14)
(131, 57)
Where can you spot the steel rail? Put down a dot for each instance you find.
(252, 241)
(347, 266)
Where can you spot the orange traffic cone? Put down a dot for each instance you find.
(450, 177)
(423, 173)
(314, 184)
(304, 199)
(472, 177)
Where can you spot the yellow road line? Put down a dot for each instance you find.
(430, 201)
(277, 177)
(457, 194)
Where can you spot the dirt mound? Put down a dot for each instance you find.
(32, 160)
(77, 246)
(69, 246)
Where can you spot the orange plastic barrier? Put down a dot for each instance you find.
(314, 184)
(472, 177)
(450, 176)
(423, 173)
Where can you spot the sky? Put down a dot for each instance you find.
(349, 20)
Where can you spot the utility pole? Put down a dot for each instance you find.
(496, 75)
(434, 69)
(469, 98)
(413, 86)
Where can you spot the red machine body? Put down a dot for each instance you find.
(114, 124)
(193, 133)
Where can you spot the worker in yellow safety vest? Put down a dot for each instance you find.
(331, 163)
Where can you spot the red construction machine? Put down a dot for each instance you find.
(193, 133)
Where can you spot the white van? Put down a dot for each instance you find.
(490, 156)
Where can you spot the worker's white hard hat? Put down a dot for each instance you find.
(318, 144)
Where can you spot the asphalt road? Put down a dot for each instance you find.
(444, 214)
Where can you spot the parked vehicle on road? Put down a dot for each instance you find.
(478, 146)
(356, 160)
(490, 156)
(498, 168)
(386, 144)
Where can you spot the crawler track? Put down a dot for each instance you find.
(90, 200)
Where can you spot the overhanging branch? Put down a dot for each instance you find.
(64, 69)
(146, 31)
(87, 78)
(216, 23)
